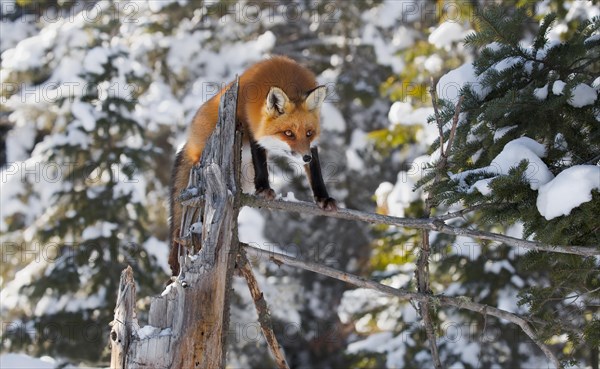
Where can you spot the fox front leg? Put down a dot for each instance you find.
(315, 177)
(261, 172)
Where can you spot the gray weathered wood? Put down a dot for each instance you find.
(188, 326)
(438, 300)
(432, 224)
(122, 325)
(264, 316)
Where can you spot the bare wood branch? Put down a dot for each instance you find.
(461, 213)
(424, 223)
(502, 314)
(441, 300)
(438, 118)
(454, 125)
(121, 332)
(422, 271)
(423, 286)
(256, 253)
(264, 317)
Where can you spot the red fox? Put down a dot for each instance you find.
(279, 105)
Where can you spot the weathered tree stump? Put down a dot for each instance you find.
(187, 326)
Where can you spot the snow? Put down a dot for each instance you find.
(147, 331)
(95, 60)
(581, 10)
(523, 148)
(251, 225)
(500, 132)
(358, 142)
(13, 32)
(196, 228)
(30, 53)
(375, 342)
(451, 83)
(331, 118)
(446, 34)
(391, 12)
(19, 143)
(403, 113)
(382, 192)
(496, 266)
(265, 42)
(383, 53)
(558, 87)
(98, 230)
(470, 354)
(159, 107)
(86, 114)
(508, 300)
(10, 295)
(571, 188)
(291, 197)
(156, 6)
(395, 198)
(434, 64)
(22, 361)
(160, 250)
(541, 93)
(583, 95)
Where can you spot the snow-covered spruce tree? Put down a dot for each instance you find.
(487, 272)
(89, 219)
(526, 150)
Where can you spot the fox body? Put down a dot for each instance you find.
(279, 109)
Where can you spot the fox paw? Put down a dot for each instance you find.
(327, 204)
(266, 193)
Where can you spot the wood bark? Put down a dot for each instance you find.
(433, 224)
(187, 326)
(460, 302)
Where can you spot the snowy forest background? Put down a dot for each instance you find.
(96, 97)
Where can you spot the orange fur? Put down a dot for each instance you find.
(257, 120)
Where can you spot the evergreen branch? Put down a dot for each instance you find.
(433, 224)
(460, 302)
(498, 33)
(541, 40)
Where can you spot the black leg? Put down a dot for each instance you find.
(315, 177)
(261, 172)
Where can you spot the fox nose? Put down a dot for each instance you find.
(307, 158)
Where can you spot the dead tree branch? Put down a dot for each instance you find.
(437, 300)
(264, 317)
(187, 327)
(433, 224)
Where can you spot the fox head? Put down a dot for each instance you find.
(290, 128)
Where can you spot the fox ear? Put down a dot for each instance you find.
(276, 101)
(315, 98)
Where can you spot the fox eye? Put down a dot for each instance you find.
(309, 133)
(289, 133)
